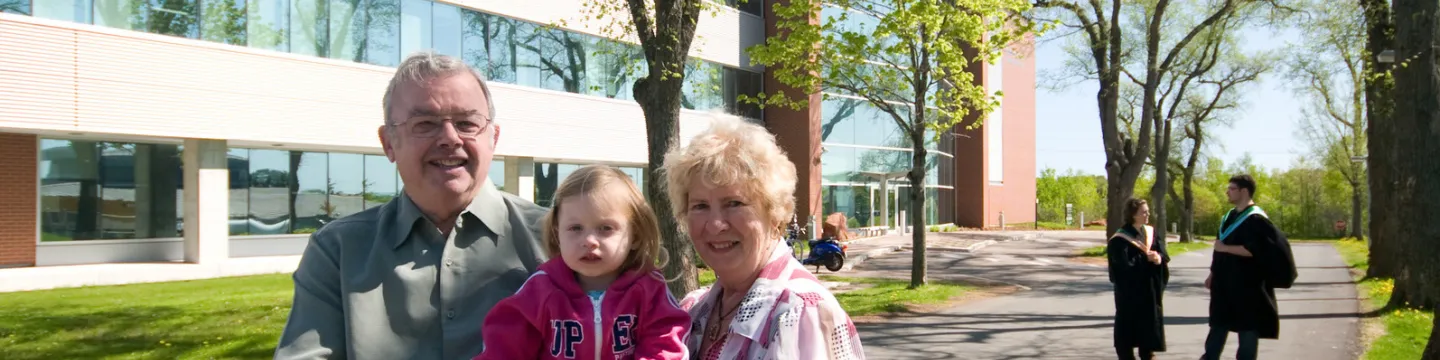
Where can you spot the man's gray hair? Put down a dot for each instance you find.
(426, 65)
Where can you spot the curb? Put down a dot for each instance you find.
(852, 260)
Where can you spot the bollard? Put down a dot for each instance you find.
(1082, 220)
(1002, 220)
(901, 218)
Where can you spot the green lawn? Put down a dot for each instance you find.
(1406, 330)
(239, 317)
(1175, 249)
(885, 295)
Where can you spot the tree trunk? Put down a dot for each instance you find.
(917, 214)
(1432, 351)
(1162, 178)
(660, 100)
(1417, 124)
(1356, 215)
(1379, 36)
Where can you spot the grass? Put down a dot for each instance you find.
(1175, 249)
(237, 317)
(706, 277)
(888, 296)
(1406, 330)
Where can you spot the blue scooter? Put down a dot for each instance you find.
(827, 252)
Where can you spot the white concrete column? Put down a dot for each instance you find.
(885, 203)
(207, 201)
(520, 177)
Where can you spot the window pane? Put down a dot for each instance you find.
(238, 161)
(269, 24)
(269, 192)
(446, 30)
(523, 40)
(382, 38)
(21, 7)
(837, 164)
(309, 25)
(224, 22)
(490, 45)
(347, 184)
(347, 30)
(71, 10)
(175, 17)
(415, 26)
(547, 177)
(497, 173)
(159, 197)
(120, 14)
(702, 89)
(311, 206)
(69, 190)
(381, 180)
(614, 67)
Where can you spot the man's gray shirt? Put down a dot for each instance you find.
(385, 284)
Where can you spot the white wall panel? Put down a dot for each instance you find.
(73, 78)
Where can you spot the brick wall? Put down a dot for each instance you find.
(18, 184)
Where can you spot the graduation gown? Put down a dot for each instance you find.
(1242, 290)
(1139, 289)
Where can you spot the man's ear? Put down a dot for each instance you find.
(496, 141)
(385, 143)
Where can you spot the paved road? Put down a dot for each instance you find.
(1068, 312)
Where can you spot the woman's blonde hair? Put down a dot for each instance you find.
(733, 152)
(611, 187)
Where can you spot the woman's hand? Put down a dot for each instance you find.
(1154, 257)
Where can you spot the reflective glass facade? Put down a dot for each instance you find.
(381, 32)
(859, 138)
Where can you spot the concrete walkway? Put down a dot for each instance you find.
(1068, 311)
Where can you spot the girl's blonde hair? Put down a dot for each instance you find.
(612, 187)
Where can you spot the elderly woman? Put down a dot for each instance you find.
(732, 190)
(1138, 268)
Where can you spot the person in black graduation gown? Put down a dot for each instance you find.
(1252, 258)
(1139, 270)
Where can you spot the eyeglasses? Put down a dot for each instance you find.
(468, 125)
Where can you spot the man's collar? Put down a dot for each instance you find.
(488, 207)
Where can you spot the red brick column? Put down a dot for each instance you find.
(18, 186)
(797, 132)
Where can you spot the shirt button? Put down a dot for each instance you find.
(449, 263)
(450, 314)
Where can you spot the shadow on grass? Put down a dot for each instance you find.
(166, 332)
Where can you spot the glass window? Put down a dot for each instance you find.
(497, 173)
(346, 186)
(269, 24)
(224, 22)
(753, 7)
(523, 40)
(238, 161)
(269, 192)
(21, 7)
(702, 89)
(614, 67)
(109, 190)
(874, 160)
(309, 25)
(69, 190)
(446, 29)
(67, 10)
(547, 177)
(382, 40)
(562, 58)
(347, 30)
(167, 17)
(415, 26)
(837, 164)
(738, 82)
(310, 205)
(381, 181)
(487, 45)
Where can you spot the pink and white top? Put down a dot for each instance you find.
(787, 314)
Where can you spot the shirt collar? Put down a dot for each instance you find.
(488, 207)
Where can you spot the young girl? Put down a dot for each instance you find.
(600, 295)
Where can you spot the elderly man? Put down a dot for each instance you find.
(414, 278)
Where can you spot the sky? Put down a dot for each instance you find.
(1067, 132)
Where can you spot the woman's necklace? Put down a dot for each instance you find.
(716, 329)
